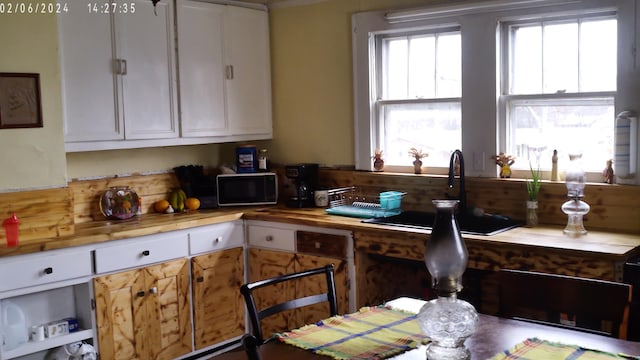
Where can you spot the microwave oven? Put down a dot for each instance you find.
(247, 189)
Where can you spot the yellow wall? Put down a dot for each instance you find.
(313, 79)
(34, 157)
(312, 99)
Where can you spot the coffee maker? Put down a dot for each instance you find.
(304, 178)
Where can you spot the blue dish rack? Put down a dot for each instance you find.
(349, 202)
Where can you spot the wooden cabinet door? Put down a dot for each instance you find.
(316, 284)
(121, 316)
(218, 306)
(144, 313)
(266, 264)
(168, 309)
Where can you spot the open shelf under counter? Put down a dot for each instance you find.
(36, 346)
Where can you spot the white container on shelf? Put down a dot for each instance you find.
(14, 325)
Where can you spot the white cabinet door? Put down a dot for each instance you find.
(225, 81)
(202, 102)
(118, 75)
(145, 42)
(89, 84)
(249, 89)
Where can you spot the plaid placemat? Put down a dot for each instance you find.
(535, 348)
(370, 333)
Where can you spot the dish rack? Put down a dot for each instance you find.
(348, 201)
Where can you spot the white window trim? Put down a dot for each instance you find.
(482, 133)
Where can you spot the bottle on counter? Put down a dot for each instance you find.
(263, 160)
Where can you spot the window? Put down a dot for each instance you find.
(419, 96)
(560, 87)
(519, 77)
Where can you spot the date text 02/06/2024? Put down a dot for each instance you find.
(35, 8)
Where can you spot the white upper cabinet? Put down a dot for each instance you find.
(225, 82)
(202, 103)
(118, 75)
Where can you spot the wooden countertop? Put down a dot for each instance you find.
(613, 245)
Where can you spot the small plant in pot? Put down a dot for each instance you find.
(533, 187)
(418, 156)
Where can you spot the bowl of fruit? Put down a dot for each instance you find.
(119, 202)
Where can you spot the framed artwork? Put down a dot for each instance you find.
(20, 104)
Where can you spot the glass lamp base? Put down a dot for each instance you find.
(448, 322)
(575, 210)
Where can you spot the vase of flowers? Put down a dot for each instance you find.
(418, 155)
(533, 187)
(378, 162)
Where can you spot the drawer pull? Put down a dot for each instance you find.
(200, 279)
(269, 238)
(317, 244)
(217, 240)
(48, 270)
(140, 293)
(146, 253)
(153, 290)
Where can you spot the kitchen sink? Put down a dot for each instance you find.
(469, 224)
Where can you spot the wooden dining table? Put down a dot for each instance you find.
(494, 335)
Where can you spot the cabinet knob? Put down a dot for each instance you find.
(269, 238)
(146, 253)
(140, 293)
(153, 290)
(217, 240)
(200, 279)
(317, 244)
(48, 270)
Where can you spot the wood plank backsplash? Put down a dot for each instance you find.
(613, 207)
(42, 213)
(53, 212)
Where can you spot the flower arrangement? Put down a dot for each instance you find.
(378, 162)
(533, 185)
(418, 155)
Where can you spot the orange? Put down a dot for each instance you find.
(192, 203)
(161, 206)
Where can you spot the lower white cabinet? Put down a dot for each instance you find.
(39, 289)
(161, 296)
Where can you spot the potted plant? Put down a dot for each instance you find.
(418, 156)
(533, 187)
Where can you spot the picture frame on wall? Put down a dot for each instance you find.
(20, 102)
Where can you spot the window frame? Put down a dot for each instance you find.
(506, 70)
(483, 131)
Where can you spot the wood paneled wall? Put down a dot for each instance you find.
(42, 213)
(149, 188)
(613, 207)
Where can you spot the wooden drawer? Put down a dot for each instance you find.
(272, 238)
(44, 268)
(142, 251)
(216, 237)
(314, 243)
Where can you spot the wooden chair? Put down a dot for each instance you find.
(596, 306)
(256, 315)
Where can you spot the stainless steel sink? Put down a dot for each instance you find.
(469, 224)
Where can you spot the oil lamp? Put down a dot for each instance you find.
(447, 320)
(575, 208)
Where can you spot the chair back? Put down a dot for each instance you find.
(256, 315)
(590, 305)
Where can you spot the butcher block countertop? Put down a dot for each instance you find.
(613, 246)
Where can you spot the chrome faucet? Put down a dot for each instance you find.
(462, 194)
